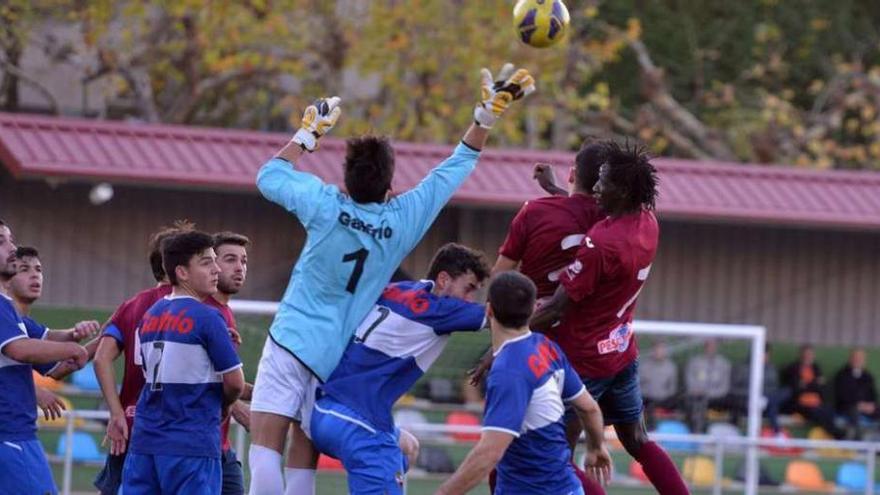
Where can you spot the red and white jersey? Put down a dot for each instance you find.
(603, 284)
(545, 234)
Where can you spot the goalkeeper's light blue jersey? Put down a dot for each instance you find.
(350, 253)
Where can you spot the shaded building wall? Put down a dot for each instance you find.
(804, 285)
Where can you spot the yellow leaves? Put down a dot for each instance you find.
(591, 12)
(767, 32)
(819, 24)
(599, 99)
(633, 29)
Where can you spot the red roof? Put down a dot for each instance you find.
(161, 155)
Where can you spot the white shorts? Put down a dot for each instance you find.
(284, 386)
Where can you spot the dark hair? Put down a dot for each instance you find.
(2, 223)
(369, 168)
(456, 260)
(630, 170)
(26, 252)
(587, 163)
(512, 297)
(226, 237)
(155, 245)
(178, 250)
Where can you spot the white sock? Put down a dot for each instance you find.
(265, 468)
(299, 481)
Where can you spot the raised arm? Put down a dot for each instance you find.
(278, 179)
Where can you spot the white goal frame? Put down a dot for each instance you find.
(756, 335)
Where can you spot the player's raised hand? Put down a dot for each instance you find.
(86, 329)
(497, 93)
(317, 120)
(598, 464)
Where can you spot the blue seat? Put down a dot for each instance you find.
(854, 476)
(673, 427)
(85, 448)
(86, 379)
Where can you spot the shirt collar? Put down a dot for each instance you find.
(515, 339)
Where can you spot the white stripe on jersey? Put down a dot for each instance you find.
(7, 361)
(174, 362)
(395, 336)
(546, 406)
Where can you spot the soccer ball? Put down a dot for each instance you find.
(540, 23)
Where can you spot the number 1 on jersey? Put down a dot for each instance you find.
(359, 257)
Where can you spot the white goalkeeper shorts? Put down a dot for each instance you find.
(284, 386)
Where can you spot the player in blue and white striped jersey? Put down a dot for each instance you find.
(24, 469)
(397, 342)
(193, 375)
(529, 385)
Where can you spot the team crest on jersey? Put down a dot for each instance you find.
(617, 341)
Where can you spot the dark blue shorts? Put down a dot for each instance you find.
(619, 396)
(233, 478)
(146, 474)
(109, 479)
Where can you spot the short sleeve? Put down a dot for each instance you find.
(34, 329)
(423, 203)
(218, 344)
(11, 326)
(514, 246)
(111, 330)
(507, 398)
(582, 276)
(121, 318)
(572, 386)
(300, 193)
(455, 315)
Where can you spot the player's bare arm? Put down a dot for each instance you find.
(82, 330)
(478, 463)
(117, 428)
(504, 264)
(598, 463)
(35, 351)
(551, 311)
(233, 386)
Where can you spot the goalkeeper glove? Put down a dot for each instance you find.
(318, 118)
(497, 95)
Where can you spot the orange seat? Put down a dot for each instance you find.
(46, 382)
(463, 418)
(636, 471)
(328, 463)
(806, 475)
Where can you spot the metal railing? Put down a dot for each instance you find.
(720, 445)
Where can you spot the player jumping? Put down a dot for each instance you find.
(393, 347)
(596, 300)
(354, 242)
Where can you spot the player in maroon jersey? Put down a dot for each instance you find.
(119, 337)
(232, 258)
(595, 301)
(546, 232)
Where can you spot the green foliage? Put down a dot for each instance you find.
(770, 81)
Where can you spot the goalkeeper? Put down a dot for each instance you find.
(354, 242)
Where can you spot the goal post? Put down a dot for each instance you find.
(756, 335)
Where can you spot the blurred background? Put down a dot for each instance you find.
(119, 117)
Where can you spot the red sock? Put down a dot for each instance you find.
(591, 486)
(660, 469)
